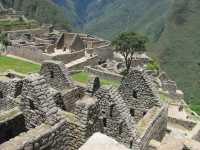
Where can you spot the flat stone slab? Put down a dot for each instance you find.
(102, 142)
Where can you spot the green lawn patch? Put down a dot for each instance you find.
(195, 108)
(21, 66)
(83, 77)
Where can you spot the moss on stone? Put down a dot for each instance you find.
(70, 117)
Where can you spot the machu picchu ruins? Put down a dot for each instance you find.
(50, 110)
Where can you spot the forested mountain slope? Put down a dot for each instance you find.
(44, 11)
(178, 48)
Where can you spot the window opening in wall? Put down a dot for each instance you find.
(1, 94)
(96, 85)
(32, 106)
(131, 144)
(104, 122)
(132, 112)
(134, 94)
(144, 113)
(52, 74)
(18, 90)
(120, 128)
(111, 110)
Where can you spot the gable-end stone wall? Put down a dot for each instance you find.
(115, 115)
(56, 74)
(37, 103)
(138, 92)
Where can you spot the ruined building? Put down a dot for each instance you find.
(48, 111)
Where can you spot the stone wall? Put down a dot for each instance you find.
(9, 89)
(67, 58)
(116, 118)
(184, 123)
(90, 61)
(70, 97)
(103, 52)
(87, 111)
(37, 103)
(42, 137)
(138, 92)
(28, 52)
(152, 126)
(103, 74)
(56, 74)
(76, 44)
(12, 125)
(36, 31)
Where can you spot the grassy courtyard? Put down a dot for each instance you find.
(83, 77)
(21, 66)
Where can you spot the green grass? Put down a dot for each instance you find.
(83, 77)
(8, 63)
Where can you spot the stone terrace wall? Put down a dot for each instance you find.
(184, 123)
(66, 58)
(152, 126)
(103, 74)
(28, 52)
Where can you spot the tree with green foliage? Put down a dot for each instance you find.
(127, 44)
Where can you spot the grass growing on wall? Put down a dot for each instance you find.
(83, 77)
(21, 66)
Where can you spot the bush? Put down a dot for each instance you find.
(153, 65)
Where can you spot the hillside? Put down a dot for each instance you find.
(44, 11)
(146, 16)
(178, 49)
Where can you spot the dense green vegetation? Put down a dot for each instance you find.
(8, 63)
(44, 11)
(83, 77)
(178, 49)
(153, 65)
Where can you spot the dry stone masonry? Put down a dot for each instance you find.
(60, 115)
(47, 111)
